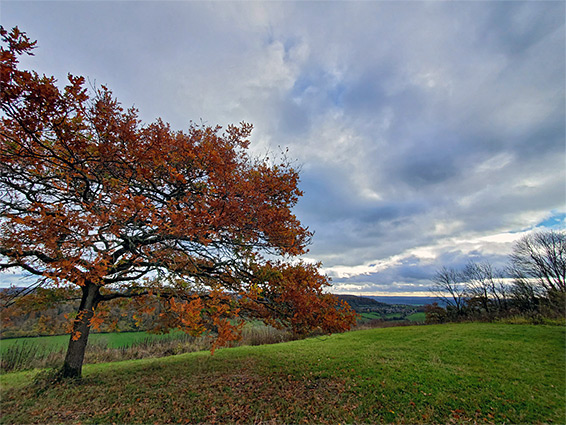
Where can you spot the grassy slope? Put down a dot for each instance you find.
(467, 372)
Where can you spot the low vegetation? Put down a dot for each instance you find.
(453, 373)
(49, 351)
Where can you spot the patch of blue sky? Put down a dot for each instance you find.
(302, 83)
(321, 82)
(556, 221)
(17, 279)
(336, 94)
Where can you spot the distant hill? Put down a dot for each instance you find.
(12, 289)
(407, 300)
(361, 304)
(370, 309)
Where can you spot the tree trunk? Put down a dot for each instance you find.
(72, 367)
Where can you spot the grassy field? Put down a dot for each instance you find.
(457, 373)
(112, 340)
(44, 352)
(415, 317)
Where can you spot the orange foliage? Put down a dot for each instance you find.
(293, 296)
(98, 318)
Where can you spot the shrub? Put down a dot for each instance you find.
(435, 314)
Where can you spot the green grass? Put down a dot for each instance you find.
(370, 316)
(113, 340)
(417, 317)
(457, 373)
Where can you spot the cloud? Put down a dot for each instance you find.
(428, 133)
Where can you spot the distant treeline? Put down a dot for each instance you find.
(531, 285)
(56, 309)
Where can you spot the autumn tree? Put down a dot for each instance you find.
(184, 220)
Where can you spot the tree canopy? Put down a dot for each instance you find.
(186, 220)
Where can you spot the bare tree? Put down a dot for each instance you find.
(485, 284)
(448, 287)
(538, 266)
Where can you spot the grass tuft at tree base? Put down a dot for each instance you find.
(456, 373)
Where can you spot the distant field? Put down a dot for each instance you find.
(406, 300)
(370, 316)
(456, 373)
(415, 317)
(112, 340)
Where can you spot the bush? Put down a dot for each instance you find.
(434, 314)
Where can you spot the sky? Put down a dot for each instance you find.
(428, 134)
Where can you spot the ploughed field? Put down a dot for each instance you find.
(454, 373)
